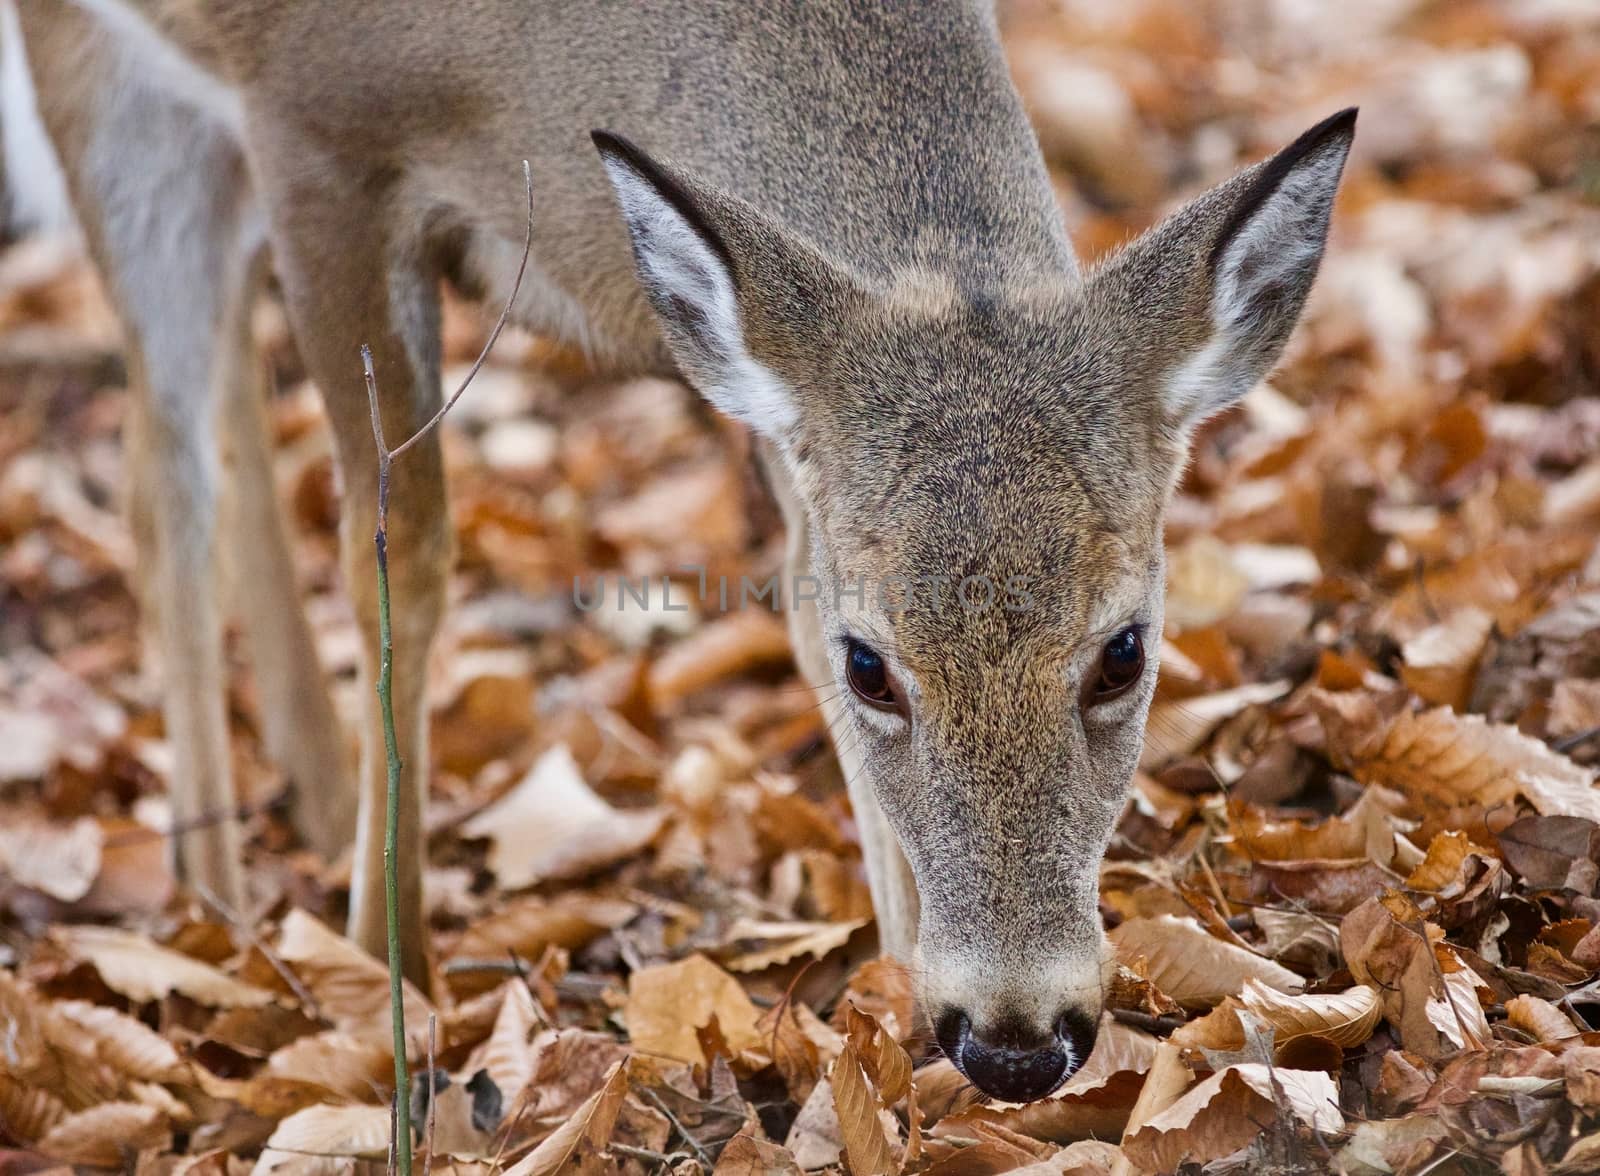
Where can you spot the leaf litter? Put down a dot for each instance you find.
(1354, 899)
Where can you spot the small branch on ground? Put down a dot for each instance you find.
(401, 1132)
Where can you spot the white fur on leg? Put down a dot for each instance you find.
(35, 187)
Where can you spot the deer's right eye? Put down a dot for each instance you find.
(1121, 665)
(869, 678)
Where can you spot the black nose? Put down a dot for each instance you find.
(1010, 1062)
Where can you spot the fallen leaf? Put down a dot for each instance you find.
(1429, 996)
(123, 1043)
(1553, 852)
(667, 1003)
(1449, 855)
(1443, 758)
(1192, 966)
(350, 987)
(142, 970)
(1345, 1018)
(553, 825)
(746, 1155)
(59, 860)
(790, 941)
(358, 1131)
(1540, 1018)
(1179, 727)
(530, 923)
(342, 1063)
(589, 1127)
(742, 640)
(857, 1110)
(105, 1136)
(1226, 1110)
(505, 1055)
(1441, 661)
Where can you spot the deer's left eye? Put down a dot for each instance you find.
(1121, 665)
(869, 677)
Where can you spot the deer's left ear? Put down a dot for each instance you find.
(1262, 262)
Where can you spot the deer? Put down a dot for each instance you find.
(833, 220)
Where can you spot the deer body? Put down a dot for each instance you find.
(837, 226)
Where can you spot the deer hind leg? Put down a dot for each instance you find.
(299, 725)
(351, 279)
(894, 891)
(162, 193)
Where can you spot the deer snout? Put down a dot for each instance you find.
(1013, 1060)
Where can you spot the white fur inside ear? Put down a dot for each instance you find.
(688, 283)
(1276, 248)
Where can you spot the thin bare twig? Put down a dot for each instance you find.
(401, 1133)
(678, 1126)
(500, 325)
(433, 1093)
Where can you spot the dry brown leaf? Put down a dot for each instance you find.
(885, 1061)
(1442, 660)
(668, 1002)
(1378, 1145)
(274, 1098)
(27, 1111)
(1085, 1157)
(1191, 966)
(789, 941)
(882, 988)
(1540, 1018)
(1429, 996)
(1223, 1113)
(59, 860)
(358, 1131)
(529, 924)
(815, 1138)
(553, 825)
(349, 1065)
(1553, 852)
(124, 1044)
(1163, 1085)
(1310, 942)
(506, 1054)
(1366, 830)
(1447, 860)
(857, 1110)
(1345, 1018)
(746, 1155)
(1118, 1049)
(106, 1136)
(1179, 727)
(589, 1127)
(1445, 759)
(1203, 583)
(1100, 1110)
(350, 987)
(142, 970)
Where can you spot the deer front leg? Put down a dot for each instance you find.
(894, 890)
(160, 192)
(350, 278)
(300, 726)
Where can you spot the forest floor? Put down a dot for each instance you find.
(1354, 899)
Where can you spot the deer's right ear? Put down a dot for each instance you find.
(689, 275)
(1221, 282)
